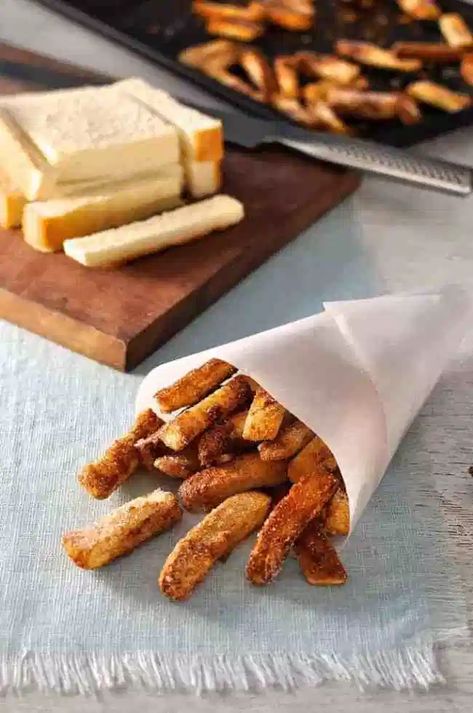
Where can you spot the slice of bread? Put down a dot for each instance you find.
(12, 202)
(203, 178)
(22, 162)
(182, 225)
(82, 188)
(201, 136)
(47, 224)
(90, 134)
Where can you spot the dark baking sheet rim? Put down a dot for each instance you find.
(402, 136)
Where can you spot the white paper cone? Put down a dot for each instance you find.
(357, 374)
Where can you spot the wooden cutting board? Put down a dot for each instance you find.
(120, 316)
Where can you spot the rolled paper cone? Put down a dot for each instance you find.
(357, 374)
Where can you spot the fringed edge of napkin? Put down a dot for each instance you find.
(404, 668)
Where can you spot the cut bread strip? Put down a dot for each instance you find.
(47, 224)
(122, 530)
(174, 228)
(81, 188)
(12, 202)
(201, 136)
(23, 163)
(203, 177)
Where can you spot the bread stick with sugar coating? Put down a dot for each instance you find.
(194, 385)
(122, 530)
(206, 489)
(106, 474)
(264, 419)
(178, 433)
(317, 557)
(303, 503)
(212, 539)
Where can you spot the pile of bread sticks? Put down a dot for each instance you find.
(328, 91)
(245, 461)
(248, 22)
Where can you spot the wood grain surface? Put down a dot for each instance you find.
(119, 316)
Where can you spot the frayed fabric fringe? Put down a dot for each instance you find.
(409, 667)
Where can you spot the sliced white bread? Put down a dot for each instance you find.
(201, 136)
(22, 162)
(86, 134)
(12, 202)
(46, 225)
(203, 178)
(182, 225)
(78, 188)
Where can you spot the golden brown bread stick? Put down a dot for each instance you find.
(317, 557)
(289, 441)
(178, 433)
(336, 518)
(211, 56)
(229, 11)
(264, 419)
(212, 539)
(289, 18)
(206, 489)
(194, 386)
(372, 105)
(240, 30)
(455, 30)
(374, 56)
(435, 52)
(420, 9)
(309, 458)
(314, 92)
(325, 66)
(285, 70)
(119, 461)
(438, 96)
(365, 105)
(303, 503)
(122, 529)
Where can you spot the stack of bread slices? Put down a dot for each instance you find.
(91, 170)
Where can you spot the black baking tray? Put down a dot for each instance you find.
(160, 29)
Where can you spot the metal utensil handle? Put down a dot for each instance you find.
(385, 161)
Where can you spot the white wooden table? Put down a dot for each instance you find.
(388, 236)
